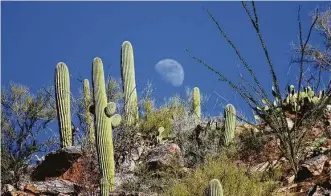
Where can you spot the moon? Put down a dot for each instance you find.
(171, 71)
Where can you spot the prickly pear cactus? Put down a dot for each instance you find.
(230, 123)
(215, 188)
(131, 115)
(196, 102)
(104, 121)
(87, 115)
(62, 96)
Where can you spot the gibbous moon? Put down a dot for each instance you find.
(171, 71)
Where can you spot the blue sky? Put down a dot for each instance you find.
(37, 35)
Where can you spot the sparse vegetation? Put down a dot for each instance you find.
(232, 177)
(172, 148)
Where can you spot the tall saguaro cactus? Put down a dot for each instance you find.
(62, 96)
(196, 102)
(230, 123)
(215, 188)
(87, 116)
(129, 84)
(103, 127)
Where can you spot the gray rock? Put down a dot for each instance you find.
(318, 191)
(57, 187)
(8, 188)
(165, 155)
(290, 123)
(121, 178)
(264, 166)
(126, 193)
(312, 167)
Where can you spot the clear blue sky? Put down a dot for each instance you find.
(37, 35)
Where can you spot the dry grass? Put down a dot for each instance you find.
(233, 178)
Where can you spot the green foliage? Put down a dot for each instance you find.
(24, 116)
(232, 177)
(113, 90)
(62, 95)
(318, 142)
(250, 143)
(230, 124)
(131, 114)
(162, 117)
(215, 188)
(103, 125)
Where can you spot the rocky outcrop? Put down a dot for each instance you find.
(165, 155)
(312, 167)
(57, 163)
(54, 187)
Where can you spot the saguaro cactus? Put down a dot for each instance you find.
(215, 188)
(129, 84)
(196, 102)
(103, 127)
(87, 115)
(230, 123)
(62, 96)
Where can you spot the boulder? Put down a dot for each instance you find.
(318, 191)
(57, 163)
(54, 187)
(312, 167)
(126, 193)
(7, 188)
(165, 155)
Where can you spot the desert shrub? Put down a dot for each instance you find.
(155, 180)
(25, 117)
(233, 178)
(197, 141)
(161, 117)
(249, 143)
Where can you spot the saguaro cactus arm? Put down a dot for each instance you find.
(129, 84)
(88, 116)
(62, 96)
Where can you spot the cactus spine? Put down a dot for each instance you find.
(230, 123)
(88, 116)
(62, 96)
(129, 84)
(196, 102)
(103, 127)
(215, 188)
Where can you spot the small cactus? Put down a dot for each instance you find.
(159, 138)
(129, 84)
(196, 102)
(88, 116)
(62, 96)
(230, 123)
(215, 188)
(104, 121)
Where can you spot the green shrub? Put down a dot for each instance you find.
(162, 117)
(233, 178)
